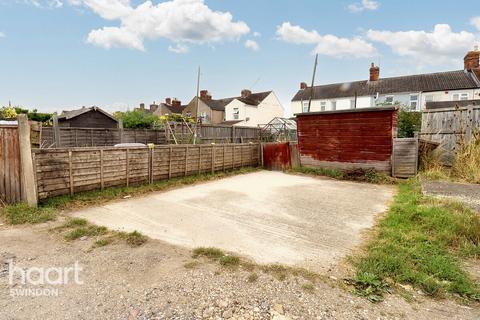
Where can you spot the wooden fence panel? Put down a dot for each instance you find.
(405, 157)
(448, 127)
(69, 171)
(10, 168)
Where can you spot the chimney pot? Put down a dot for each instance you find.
(176, 103)
(374, 72)
(472, 59)
(204, 95)
(303, 85)
(168, 101)
(142, 106)
(245, 93)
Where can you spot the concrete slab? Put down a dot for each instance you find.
(268, 216)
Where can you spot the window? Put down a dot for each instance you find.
(429, 98)
(305, 106)
(334, 105)
(203, 115)
(413, 101)
(389, 100)
(236, 113)
(460, 96)
(352, 104)
(323, 105)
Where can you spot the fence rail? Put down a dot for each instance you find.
(95, 137)
(68, 171)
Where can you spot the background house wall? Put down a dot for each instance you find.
(268, 109)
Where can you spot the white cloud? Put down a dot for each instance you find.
(440, 46)
(181, 21)
(179, 48)
(252, 45)
(328, 45)
(257, 34)
(2, 35)
(363, 5)
(475, 21)
(45, 3)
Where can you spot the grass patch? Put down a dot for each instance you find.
(229, 261)
(210, 253)
(309, 287)
(279, 271)
(21, 213)
(361, 175)
(133, 239)
(419, 242)
(87, 231)
(103, 242)
(191, 265)
(75, 222)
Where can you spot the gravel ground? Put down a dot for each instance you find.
(463, 192)
(152, 282)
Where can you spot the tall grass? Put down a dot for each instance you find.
(467, 162)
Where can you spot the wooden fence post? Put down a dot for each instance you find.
(102, 183)
(213, 158)
(233, 134)
(127, 169)
(170, 163)
(70, 171)
(29, 192)
(120, 130)
(186, 160)
(199, 159)
(56, 132)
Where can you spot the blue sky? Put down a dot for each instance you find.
(61, 54)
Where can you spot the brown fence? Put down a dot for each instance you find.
(96, 137)
(449, 126)
(10, 168)
(405, 157)
(68, 171)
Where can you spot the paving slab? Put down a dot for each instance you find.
(271, 217)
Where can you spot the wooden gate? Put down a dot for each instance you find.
(10, 168)
(276, 156)
(405, 157)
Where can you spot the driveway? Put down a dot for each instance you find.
(267, 216)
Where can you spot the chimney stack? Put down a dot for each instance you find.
(472, 59)
(204, 95)
(303, 85)
(168, 101)
(176, 103)
(245, 93)
(142, 106)
(374, 72)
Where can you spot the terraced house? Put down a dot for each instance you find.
(248, 109)
(411, 92)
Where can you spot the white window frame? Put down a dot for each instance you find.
(410, 101)
(461, 96)
(236, 113)
(388, 97)
(323, 105)
(333, 104)
(304, 106)
(428, 98)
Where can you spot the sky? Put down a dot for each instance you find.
(61, 54)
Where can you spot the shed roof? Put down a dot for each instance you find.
(66, 115)
(374, 109)
(439, 81)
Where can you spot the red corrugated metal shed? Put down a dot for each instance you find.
(348, 139)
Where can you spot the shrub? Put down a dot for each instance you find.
(408, 123)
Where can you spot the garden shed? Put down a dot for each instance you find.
(348, 139)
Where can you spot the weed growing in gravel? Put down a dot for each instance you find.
(361, 175)
(252, 277)
(309, 287)
(103, 242)
(134, 239)
(191, 264)
(211, 253)
(420, 242)
(230, 261)
(277, 270)
(88, 231)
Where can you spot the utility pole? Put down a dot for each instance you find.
(313, 81)
(196, 106)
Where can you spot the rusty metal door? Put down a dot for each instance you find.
(276, 156)
(10, 168)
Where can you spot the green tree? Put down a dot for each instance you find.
(137, 119)
(7, 113)
(409, 122)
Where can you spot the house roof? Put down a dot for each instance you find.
(376, 109)
(440, 81)
(173, 108)
(66, 115)
(253, 99)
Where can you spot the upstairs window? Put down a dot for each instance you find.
(429, 98)
(460, 96)
(236, 113)
(413, 101)
(305, 106)
(323, 106)
(334, 105)
(389, 100)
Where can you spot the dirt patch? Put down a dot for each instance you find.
(158, 281)
(270, 217)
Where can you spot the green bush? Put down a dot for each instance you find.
(409, 122)
(137, 119)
